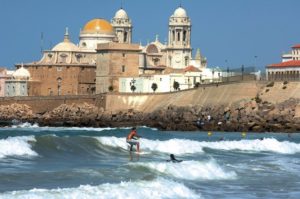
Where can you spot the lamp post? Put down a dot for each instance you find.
(226, 65)
(227, 74)
(242, 72)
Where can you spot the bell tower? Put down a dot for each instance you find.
(122, 26)
(179, 51)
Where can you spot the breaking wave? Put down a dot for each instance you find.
(190, 170)
(267, 145)
(185, 146)
(17, 146)
(159, 188)
(175, 146)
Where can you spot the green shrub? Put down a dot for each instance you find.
(110, 88)
(285, 82)
(267, 90)
(284, 87)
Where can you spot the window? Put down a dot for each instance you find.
(59, 68)
(123, 68)
(186, 61)
(178, 36)
(63, 58)
(125, 37)
(123, 54)
(184, 35)
(173, 35)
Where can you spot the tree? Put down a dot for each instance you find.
(154, 87)
(176, 86)
(110, 88)
(197, 84)
(132, 88)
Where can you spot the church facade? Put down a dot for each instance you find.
(105, 53)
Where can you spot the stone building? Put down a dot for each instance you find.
(288, 69)
(115, 60)
(4, 75)
(63, 70)
(105, 53)
(17, 85)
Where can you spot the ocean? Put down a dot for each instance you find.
(61, 162)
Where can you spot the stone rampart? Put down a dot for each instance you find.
(43, 104)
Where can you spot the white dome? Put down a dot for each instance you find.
(180, 12)
(121, 14)
(21, 73)
(65, 46)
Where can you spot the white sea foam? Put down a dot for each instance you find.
(267, 145)
(159, 188)
(25, 125)
(190, 170)
(175, 146)
(16, 146)
(184, 146)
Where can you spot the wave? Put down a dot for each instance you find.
(158, 188)
(25, 125)
(175, 146)
(17, 124)
(267, 145)
(36, 125)
(190, 170)
(184, 146)
(17, 146)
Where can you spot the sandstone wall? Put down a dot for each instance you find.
(48, 103)
(203, 96)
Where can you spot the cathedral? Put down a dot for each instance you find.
(105, 56)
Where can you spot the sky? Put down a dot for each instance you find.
(230, 33)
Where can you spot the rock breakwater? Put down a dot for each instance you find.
(253, 115)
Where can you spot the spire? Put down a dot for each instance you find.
(66, 36)
(198, 54)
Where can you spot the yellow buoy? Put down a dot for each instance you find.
(244, 134)
(209, 133)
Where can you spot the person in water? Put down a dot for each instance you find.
(132, 139)
(173, 159)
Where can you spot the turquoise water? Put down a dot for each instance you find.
(44, 162)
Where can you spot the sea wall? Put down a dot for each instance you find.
(208, 95)
(48, 103)
(245, 106)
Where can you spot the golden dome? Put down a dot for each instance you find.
(98, 26)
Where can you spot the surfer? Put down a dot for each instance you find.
(132, 139)
(173, 159)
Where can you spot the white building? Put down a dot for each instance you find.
(18, 84)
(288, 69)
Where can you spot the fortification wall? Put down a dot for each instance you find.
(218, 94)
(208, 95)
(48, 103)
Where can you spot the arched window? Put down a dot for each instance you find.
(59, 83)
(184, 35)
(125, 37)
(173, 35)
(152, 49)
(178, 36)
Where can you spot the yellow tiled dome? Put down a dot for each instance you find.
(98, 26)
